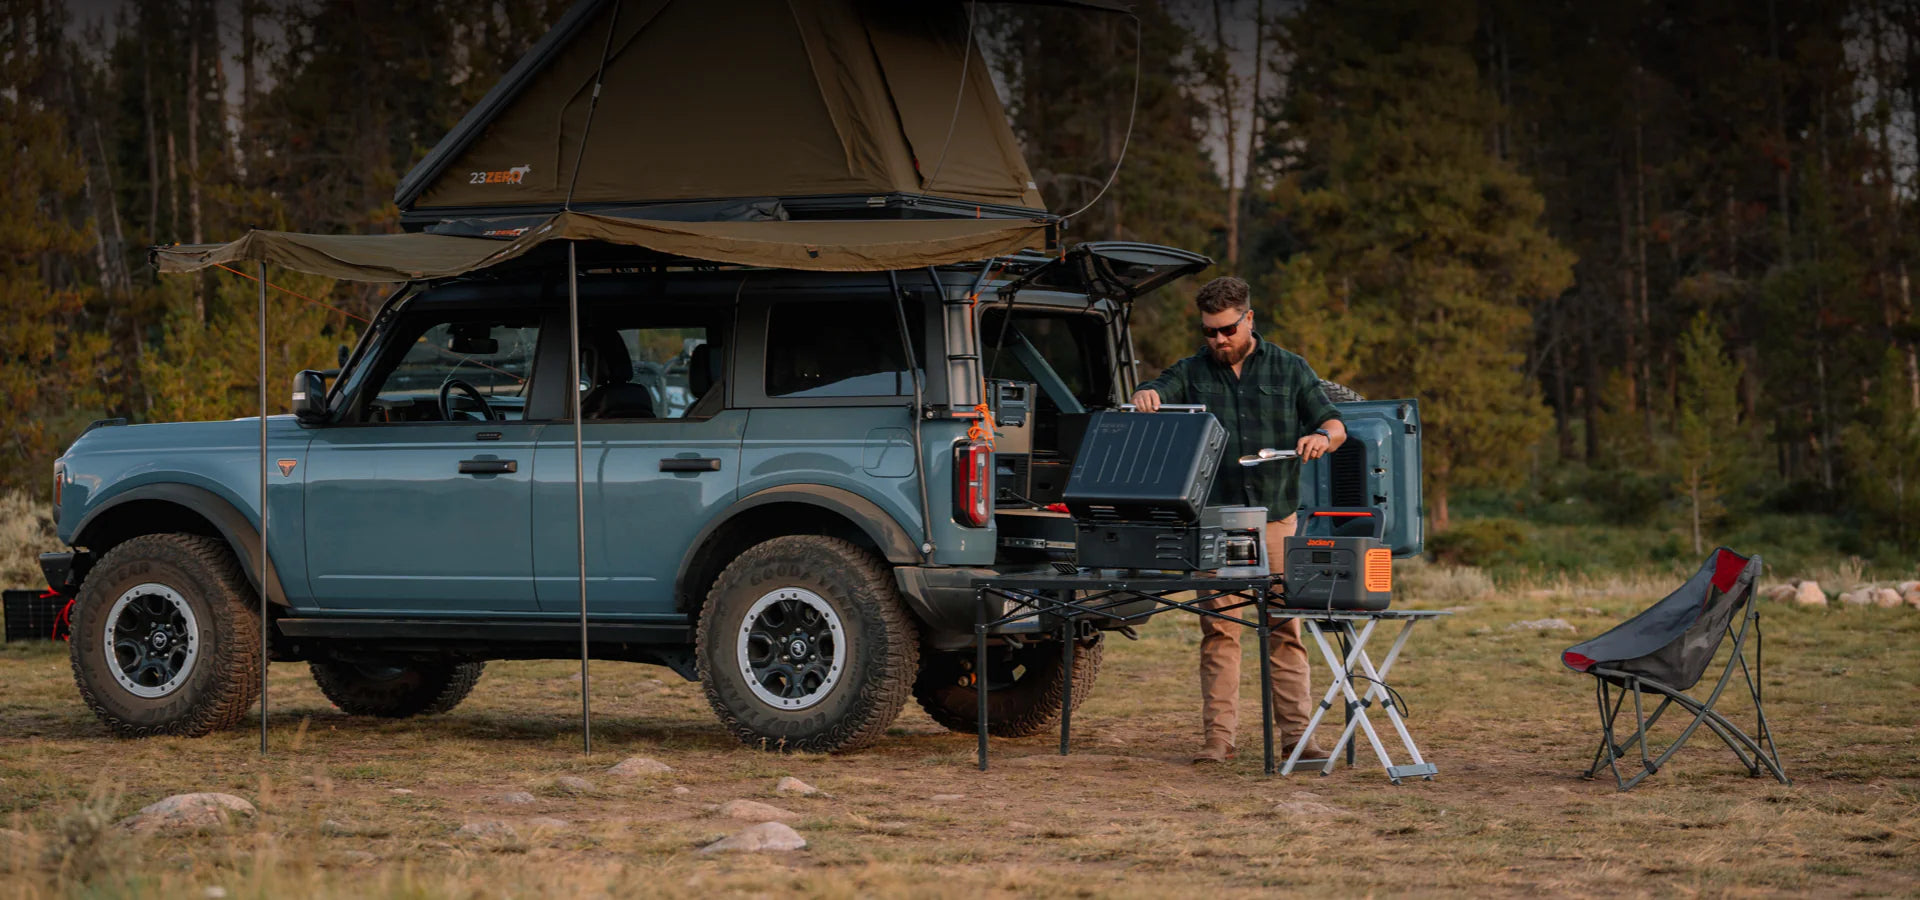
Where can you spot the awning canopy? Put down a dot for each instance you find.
(820, 245)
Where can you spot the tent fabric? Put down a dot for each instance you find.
(735, 99)
(820, 245)
(1673, 641)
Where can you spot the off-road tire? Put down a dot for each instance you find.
(412, 689)
(1340, 393)
(881, 648)
(1030, 705)
(223, 679)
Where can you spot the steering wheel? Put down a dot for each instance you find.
(473, 393)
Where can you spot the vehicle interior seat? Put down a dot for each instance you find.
(704, 366)
(614, 395)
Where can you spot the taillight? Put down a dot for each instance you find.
(59, 481)
(973, 483)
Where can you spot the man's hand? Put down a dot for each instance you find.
(1146, 401)
(1313, 447)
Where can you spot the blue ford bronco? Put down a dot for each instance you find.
(782, 497)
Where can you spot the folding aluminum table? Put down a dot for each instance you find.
(1354, 665)
(1066, 602)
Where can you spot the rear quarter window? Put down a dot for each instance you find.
(841, 348)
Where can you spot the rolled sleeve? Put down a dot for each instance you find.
(1311, 401)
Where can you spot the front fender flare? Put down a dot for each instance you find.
(234, 526)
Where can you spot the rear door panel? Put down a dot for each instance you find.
(1379, 466)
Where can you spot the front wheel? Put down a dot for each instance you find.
(804, 644)
(165, 638)
(1024, 687)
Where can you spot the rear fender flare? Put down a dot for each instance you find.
(232, 524)
(892, 539)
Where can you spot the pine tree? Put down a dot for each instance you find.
(46, 359)
(1391, 189)
(1709, 438)
(1885, 451)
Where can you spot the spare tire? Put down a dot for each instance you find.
(1024, 691)
(1339, 393)
(397, 690)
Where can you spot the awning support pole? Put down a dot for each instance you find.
(579, 482)
(917, 411)
(266, 560)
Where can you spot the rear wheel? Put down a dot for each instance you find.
(165, 637)
(1024, 687)
(804, 644)
(396, 690)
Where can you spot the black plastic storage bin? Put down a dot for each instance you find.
(1145, 467)
(31, 615)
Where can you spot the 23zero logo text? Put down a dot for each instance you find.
(514, 175)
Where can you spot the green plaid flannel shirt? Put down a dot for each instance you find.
(1275, 400)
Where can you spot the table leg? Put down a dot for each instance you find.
(1378, 680)
(1066, 688)
(1265, 630)
(1360, 718)
(980, 669)
(1326, 702)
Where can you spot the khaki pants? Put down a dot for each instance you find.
(1220, 664)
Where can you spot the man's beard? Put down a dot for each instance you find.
(1232, 355)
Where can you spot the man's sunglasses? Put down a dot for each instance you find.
(1226, 330)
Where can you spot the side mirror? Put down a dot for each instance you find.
(310, 396)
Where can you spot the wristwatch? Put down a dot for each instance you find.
(1323, 433)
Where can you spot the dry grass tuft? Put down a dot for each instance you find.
(26, 531)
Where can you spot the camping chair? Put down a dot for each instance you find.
(1664, 651)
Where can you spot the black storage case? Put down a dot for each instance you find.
(1145, 467)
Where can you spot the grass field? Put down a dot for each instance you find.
(1509, 728)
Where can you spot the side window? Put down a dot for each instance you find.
(492, 357)
(659, 359)
(840, 348)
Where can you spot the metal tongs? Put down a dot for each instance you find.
(1268, 455)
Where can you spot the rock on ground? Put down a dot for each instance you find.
(517, 798)
(754, 811)
(681, 789)
(1780, 593)
(1886, 598)
(188, 812)
(635, 766)
(766, 837)
(573, 784)
(1860, 596)
(1810, 594)
(1542, 625)
(1912, 597)
(489, 829)
(548, 822)
(794, 785)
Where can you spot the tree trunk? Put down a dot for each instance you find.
(193, 150)
(1630, 366)
(1227, 119)
(1640, 268)
(153, 142)
(1254, 131)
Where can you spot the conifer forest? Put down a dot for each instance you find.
(1647, 265)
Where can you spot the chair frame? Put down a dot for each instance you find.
(1757, 754)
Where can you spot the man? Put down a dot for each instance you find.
(1266, 397)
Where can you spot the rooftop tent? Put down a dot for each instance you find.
(736, 99)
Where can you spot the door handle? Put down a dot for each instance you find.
(488, 466)
(685, 464)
